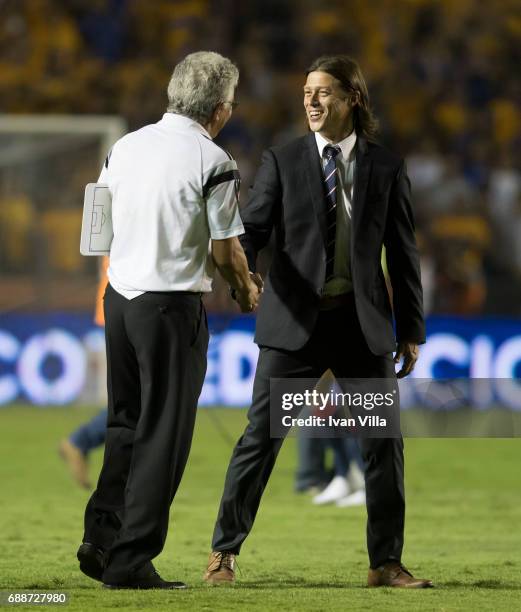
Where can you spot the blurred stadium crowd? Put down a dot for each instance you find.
(443, 79)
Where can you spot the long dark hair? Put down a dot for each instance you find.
(348, 72)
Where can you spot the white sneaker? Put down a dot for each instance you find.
(355, 499)
(355, 477)
(335, 490)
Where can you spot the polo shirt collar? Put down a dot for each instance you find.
(346, 145)
(182, 122)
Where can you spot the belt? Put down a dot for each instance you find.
(330, 302)
(174, 293)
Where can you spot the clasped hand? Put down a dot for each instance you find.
(248, 297)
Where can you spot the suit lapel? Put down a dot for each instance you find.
(362, 173)
(316, 187)
(315, 182)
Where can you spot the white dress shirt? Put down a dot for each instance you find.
(345, 160)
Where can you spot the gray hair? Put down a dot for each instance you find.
(199, 83)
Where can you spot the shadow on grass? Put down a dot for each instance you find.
(302, 583)
(270, 583)
(482, 584)
(295, 582)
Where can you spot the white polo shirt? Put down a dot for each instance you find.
(173, 189)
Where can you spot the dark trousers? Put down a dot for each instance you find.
(337, 343)
(156, 358)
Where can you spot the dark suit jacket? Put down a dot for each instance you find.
(288, 198)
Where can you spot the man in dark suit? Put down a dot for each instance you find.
(333, 198)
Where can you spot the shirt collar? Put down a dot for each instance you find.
(182, 122)
(346, 146)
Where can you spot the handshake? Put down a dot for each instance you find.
(230, 259)
(248, 296)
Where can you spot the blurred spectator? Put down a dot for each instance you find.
(462, 239)
(16, 227)
(61, 227)
(425, 165)
(504, 188)
(102, 25)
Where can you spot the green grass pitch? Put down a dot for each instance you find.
(463, 527)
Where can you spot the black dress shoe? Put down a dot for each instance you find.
(91, 560)
(148, 581)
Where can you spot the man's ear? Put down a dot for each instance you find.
(217, 113)
(214, 119)
(355, 99)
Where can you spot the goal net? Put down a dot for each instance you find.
(45, 163)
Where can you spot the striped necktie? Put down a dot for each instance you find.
(330, 185)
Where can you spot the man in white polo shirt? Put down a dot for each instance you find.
(175, 216)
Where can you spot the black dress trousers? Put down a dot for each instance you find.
(337, 343)
(156, 361)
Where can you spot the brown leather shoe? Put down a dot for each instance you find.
(76, 462)
(394, 574)
(220, 568)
